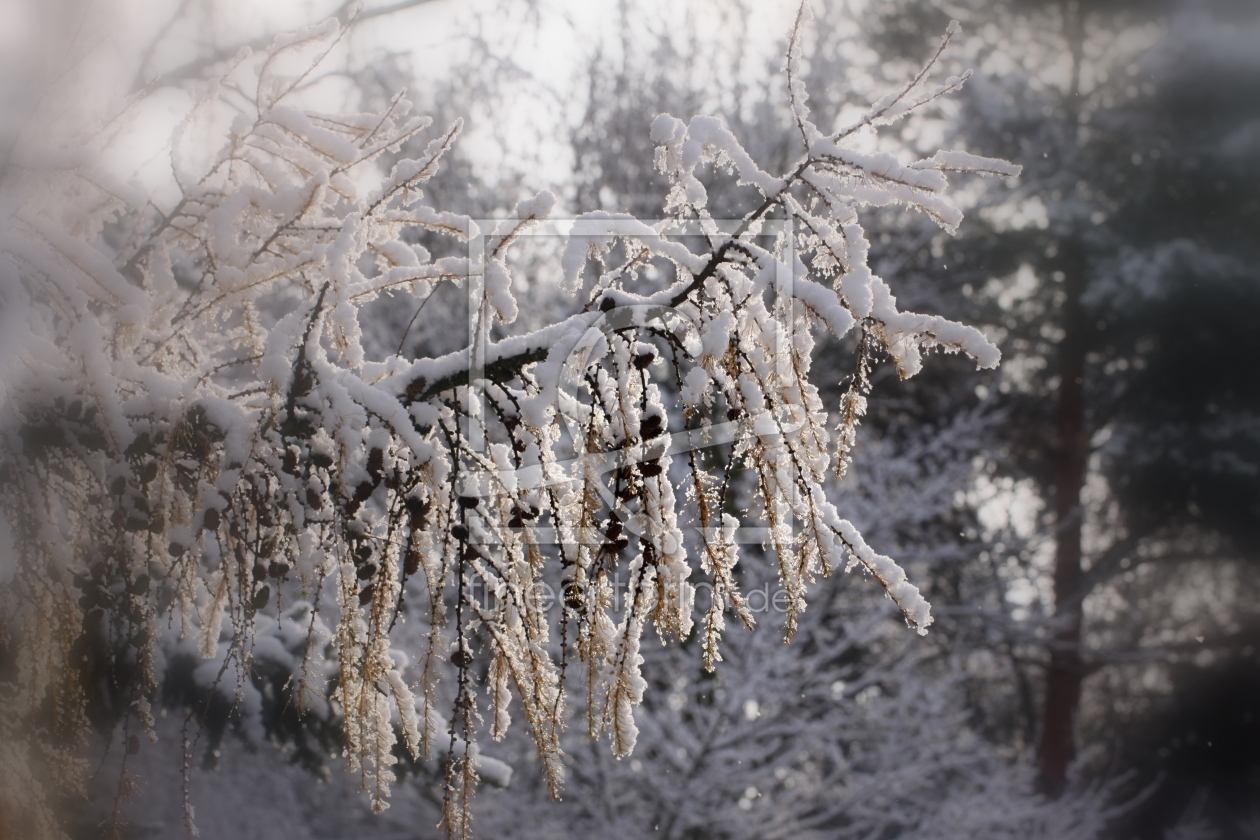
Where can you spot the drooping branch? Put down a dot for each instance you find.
(308, 468)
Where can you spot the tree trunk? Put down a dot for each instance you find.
(1063, 677)
(1065, 672)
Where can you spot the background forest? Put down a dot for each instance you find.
(1085, 519)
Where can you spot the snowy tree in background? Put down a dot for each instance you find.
(203, 469)
(1123, 279)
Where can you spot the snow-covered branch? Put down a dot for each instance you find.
(196, 438)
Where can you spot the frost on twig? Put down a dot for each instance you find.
(195, 438)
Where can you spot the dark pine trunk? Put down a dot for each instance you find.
(1065, 671)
